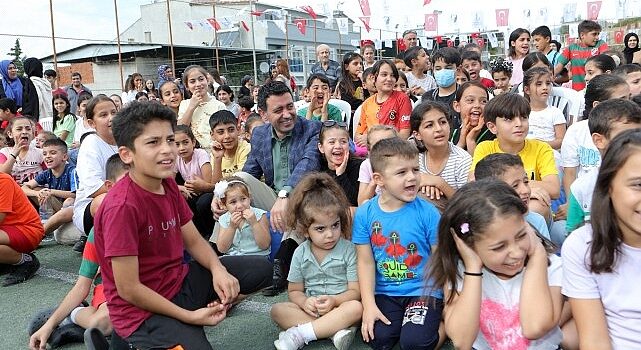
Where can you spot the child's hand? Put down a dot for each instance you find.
(210, 315)
(341, 168)
(325, 304)
(325, 100)
(185, 192)
(248, 215)
(474, 132)
(43, 194)
(536, 245)
(430, 185)
(370, 316)
(540, 194)
(237, 219)
(471, 260)
(361, 140)
(20, 145)
(218, 208)
(217, 150)
(310, 307)
(197, 185)
(38, 340)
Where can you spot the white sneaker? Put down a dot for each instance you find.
(289, 340)
(343, 339)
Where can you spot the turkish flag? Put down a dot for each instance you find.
(365, 21)
(309, 11)
(213, 23)
(301, 24)
(431, 22)
(426, 2)
(257, 13)
(594, 7)
(365, 8)
(618, 37)
(480, 42)
(475, 35)
(400, 44)
(502, 16)
(450, 43)
(439, 39)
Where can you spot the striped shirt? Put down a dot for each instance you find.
(456, 169)
(576, 55)
(89, 265)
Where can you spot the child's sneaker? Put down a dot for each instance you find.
(22, 272)
(289, 340)
(343, 339)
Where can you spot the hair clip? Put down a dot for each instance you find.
(465, 228)
(221, 187)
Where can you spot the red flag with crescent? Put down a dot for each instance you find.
(365, 8)
(365, 21)
(301, 24)
(426, 2)
(431, 22)
(618, 37)
(213, 23)
(480, 42)
(502, 16)
(450, 43)
(594, 7)
(310, 11)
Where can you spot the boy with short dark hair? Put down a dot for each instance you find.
(507, 117)
(632, 75)
(8, 111)
(418, 61)
(141, 230)
(319, 95)
(542, 37)
(445, 61)
(607, 120)
(228, 152)
(246, 104)
(577, 54)
(471, 62)
(392, 253)
(56, 185)
(509, 169)
(369, 88)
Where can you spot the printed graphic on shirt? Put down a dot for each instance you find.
(501, 326)
(395, 262)
(588, 157)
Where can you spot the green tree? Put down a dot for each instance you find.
(18, 57)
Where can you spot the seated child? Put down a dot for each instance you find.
(56, 185)
(509, 169)
(471, 62)
(367, 188)
(83, 125)
(8, 111)
(253, 121)
(228, 152)
(418, 61)
(501, 74)
(445, 62)
(141, 230)
(546, 123)
(507, 117)
(470, 129)
(68, 315)
(44, 136)
(607, 120)
(22, 161)
(319, 107)
(369, 88)
(444, 166)
(20, 233)
(500, 279)
(323, 283)
(632, 75)
(393, 252)
(246, 103)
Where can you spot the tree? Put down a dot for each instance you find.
(18, 58)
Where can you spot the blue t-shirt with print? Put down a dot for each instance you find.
(401, 245)
(67, 181)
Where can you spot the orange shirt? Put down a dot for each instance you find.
(20, 212)
(395, 111)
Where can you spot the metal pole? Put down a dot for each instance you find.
(213, 4)
(314, 32)
(340, 41)
(122, 80)
(171, 40)
(53, 38)
(286, 38)
(251, 17)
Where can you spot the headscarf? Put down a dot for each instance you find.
(12, 88)
(33, 67)
(162, 76)
(628, 52)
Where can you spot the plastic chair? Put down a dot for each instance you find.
(344, 106)
(46, 123)
(355, 120)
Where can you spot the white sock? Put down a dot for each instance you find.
(74, 313)
(307, 331)
(23, 259)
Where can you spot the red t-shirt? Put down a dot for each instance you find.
(20, 213)
(488, 83)
(134, 222)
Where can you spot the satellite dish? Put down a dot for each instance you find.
(264, 67)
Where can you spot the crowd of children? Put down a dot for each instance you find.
(483, 207)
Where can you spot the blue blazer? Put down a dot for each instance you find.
(303, 153)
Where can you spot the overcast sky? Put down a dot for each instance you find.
(95, 19)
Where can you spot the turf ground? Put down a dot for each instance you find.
(248, 326)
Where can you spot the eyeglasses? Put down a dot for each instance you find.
(331, 123)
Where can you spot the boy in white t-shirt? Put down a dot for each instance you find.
(418, 61)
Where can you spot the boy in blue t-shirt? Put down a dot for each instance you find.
(395, 233)
(56, 185)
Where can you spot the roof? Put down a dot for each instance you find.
(109, 51)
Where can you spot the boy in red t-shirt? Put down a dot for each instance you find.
(20, 233)
(141, 230)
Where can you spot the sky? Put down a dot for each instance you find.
(95, 19)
